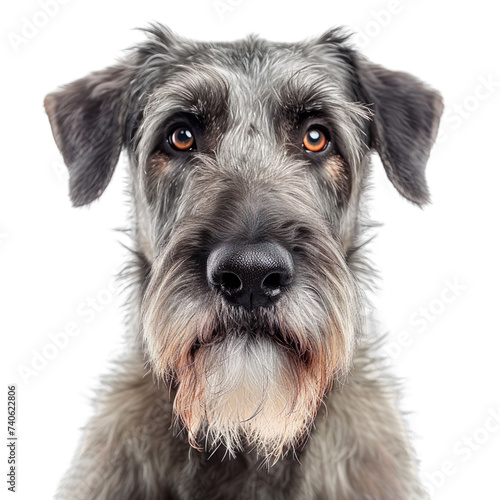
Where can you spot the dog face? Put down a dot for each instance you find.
(247, 164)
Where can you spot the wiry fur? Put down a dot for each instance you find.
(208, 392)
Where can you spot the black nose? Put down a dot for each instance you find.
(250, 275)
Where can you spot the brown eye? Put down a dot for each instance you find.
(315, 140)
(182, 139)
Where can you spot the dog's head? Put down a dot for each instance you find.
(247, 163)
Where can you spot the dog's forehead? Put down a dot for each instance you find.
(252, 74)
(252, 56)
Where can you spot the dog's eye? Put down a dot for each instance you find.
(315, 140)
(182, 139)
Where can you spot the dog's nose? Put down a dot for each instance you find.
(250, 275)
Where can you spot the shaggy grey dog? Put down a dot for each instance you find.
(251, 372)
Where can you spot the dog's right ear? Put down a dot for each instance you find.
(405, 122)
(87, 119)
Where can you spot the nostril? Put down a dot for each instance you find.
(272, 281)
(231, 282)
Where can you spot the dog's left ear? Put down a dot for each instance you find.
(87, 119)
(404, 125)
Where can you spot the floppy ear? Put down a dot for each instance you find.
(404, 125)
(87, 119)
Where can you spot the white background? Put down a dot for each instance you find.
(55, 259)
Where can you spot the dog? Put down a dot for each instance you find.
(252, 370)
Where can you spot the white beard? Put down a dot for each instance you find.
(247, 391)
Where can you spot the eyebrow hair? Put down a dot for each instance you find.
(308, 92)
(197, 89)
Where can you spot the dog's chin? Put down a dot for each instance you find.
(246, 392)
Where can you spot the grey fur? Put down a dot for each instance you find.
(281, 402)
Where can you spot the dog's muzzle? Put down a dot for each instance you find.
(250, 275)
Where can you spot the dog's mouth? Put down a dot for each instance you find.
(260, 324)
(256, 327)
